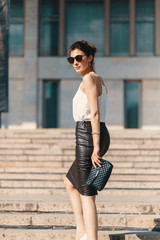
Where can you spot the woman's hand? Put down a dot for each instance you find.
(95, 157)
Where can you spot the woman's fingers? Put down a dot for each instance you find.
(94, 165)
(97, 161)
(98, 164)
(97, 156)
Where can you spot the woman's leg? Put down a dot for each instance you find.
(90, 216)
(77, 208)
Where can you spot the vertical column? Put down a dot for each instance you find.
(30, 63)
(157, 27)
(150, 107)
(132, 27)
(62, 28)
(107, 26)
(66, 93)
(40, 104)
(115, 118)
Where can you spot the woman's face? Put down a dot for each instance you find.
(84, 64)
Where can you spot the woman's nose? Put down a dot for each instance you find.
(75, 62)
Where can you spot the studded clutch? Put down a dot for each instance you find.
(98, 177)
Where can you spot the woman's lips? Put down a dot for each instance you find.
(77, 68)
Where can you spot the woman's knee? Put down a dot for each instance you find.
(86, 199)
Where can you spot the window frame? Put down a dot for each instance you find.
(132, 36)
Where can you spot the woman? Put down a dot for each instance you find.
(92, 139)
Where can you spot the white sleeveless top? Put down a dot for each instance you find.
(81, 110)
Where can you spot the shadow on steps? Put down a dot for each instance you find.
(154, 234)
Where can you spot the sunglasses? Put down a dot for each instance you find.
(78, 58)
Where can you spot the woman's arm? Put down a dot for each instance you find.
(91, 92)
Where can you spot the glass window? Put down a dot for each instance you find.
(145, 27)
(119, 28)
(132, 104)
(85, 21)
(16, 28)
(49, 27)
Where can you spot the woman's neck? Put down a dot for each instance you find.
(88, 70)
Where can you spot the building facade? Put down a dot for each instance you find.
(41, 81)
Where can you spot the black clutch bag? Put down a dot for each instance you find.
(99, 176)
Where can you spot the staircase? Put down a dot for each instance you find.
(34, 203)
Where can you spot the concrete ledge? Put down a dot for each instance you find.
(39, 234)
(107, 204)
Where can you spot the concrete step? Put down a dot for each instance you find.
(123, 133)
(61, 191)
(25, 176)
(30, 158)
(122, 170)
(135, 165)
(58, 234)
(53, 139)
(105, 204)
(71, 158)
(125, 221)
(59, 184)
(140, 141)
(57, 150)
(43, 164)
(52, 176)
(71, 145)
(63, 142)
(34, 164)
(132, 213)
(57, 135)
(67, 164)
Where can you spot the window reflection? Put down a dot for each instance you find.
(16, 28)
(49, 27)
(145, 28)
(85, 21)
(119, 28)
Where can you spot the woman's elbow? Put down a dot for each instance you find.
(95, 115)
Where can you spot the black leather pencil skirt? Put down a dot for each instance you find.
(79, 170)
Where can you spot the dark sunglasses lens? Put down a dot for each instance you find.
(79, 58)
(70, 59)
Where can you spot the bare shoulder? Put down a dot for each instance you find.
(99, 82)
(89, 80)
(93, 78)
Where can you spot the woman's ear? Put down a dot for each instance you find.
(90, 58)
